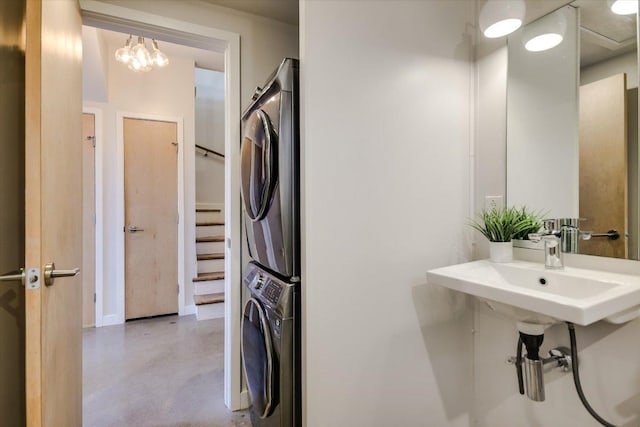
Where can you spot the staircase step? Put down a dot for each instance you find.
(202, 257)
(209, 223)
(209, 298)
(210, 311)
(208, 287)
(209, 239)
(208, 210)
(204, 277)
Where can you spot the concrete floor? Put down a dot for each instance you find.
(162, 372)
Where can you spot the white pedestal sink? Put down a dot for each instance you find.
(530, 293)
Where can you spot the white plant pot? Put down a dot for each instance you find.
(500, 251)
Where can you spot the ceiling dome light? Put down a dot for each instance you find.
(501, 17)
(623, 7)
(543, 42)
(545, 33)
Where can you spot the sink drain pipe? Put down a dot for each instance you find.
(576, 377)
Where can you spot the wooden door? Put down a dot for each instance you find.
(151, 253)
(53, 212)
(603, 165)
(88, 220)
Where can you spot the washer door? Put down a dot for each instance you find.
(258, 167)
(260, 364)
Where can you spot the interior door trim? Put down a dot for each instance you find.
(98, 194)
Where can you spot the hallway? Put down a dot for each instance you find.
(161, 372)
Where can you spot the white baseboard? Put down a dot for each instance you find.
(111, 319)
(189, 309)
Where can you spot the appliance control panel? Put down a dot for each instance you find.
(272, 292)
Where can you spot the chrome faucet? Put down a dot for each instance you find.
(560, 236)
(552, 248)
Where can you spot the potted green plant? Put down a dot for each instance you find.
(501, 225)
(531, 222)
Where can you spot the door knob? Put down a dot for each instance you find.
(134, 229)
(51, 273)
(13, 276)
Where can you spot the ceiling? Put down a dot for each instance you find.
(280, 10)
(603, 34)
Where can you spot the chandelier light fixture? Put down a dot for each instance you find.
(137, 57)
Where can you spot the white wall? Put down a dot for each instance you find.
(94, 65)
(609, 366)
(165, 92)
(209, 125)
(386, 110)
(627, 63)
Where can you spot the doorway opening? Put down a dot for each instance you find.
(225, 45)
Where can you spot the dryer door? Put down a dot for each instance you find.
(258, 354)
(258, 167)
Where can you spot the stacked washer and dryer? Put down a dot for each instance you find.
(270, 170)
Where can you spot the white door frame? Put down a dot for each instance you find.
(97, 154)
(120, 18)
(120, 273)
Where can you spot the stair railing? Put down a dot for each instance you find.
(208, 150)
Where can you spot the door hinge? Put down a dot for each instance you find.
(176, 145)
(94, 297)
(178, 286)
(93, 140)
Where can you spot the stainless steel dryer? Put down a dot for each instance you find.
(271, 348)
(270, 173)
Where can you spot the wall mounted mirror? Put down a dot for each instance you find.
(572, 123)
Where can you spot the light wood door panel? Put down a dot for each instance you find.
(603, 165)
(151, 255)
(88, 220)
(53, 211)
